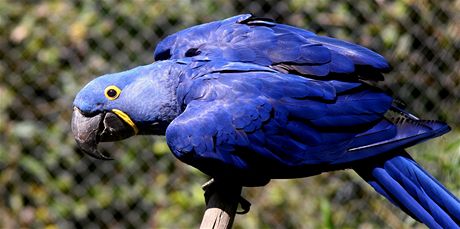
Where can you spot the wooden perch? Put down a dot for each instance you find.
(221, 204)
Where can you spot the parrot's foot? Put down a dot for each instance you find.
(245, 206)
(209, 188)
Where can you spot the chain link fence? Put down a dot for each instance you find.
(50, 49)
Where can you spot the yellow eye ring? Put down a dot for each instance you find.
(112, 92)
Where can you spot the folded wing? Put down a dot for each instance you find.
(245, 38)
(266, 121)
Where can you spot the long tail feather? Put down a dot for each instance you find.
(407, 185)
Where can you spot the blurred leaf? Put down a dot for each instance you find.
(25, 130)
(22, 31)
(34, 167)
(326, 214)
(160, 147)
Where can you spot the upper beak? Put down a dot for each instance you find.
(103, 127)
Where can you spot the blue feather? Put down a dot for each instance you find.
(409, 186)
(358, 54)
(400, 193)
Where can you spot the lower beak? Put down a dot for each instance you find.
(103, 127)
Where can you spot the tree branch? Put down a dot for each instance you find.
(221, 203)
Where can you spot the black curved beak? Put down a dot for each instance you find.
(103, 127)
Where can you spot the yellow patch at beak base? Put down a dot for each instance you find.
(126, 118)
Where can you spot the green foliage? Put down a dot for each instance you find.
(50, 49)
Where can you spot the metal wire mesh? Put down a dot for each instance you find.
(50, 49)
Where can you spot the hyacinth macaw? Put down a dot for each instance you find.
(247, 100)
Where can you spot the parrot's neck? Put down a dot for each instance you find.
(161, 106)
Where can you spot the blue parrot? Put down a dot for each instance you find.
(247, 100)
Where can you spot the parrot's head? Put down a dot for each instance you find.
(116, 106)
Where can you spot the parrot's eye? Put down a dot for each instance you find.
(112, 92)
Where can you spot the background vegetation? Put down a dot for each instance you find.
(50, 49)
